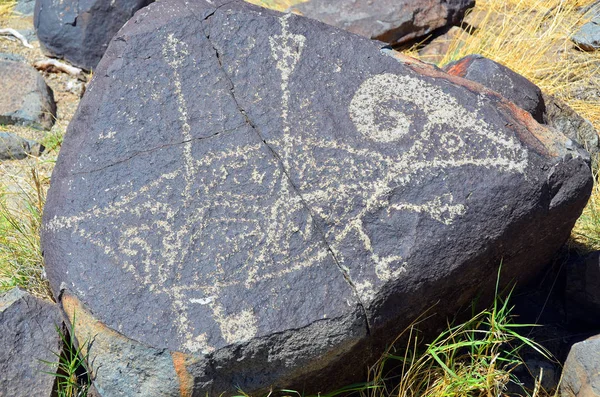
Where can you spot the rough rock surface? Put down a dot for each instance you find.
(545, 108)
(244, 199)
(80, 30)
(27, 335)
(503, 80)
(13, 147)
(391, 21)
(588, 36)
(25, 7)
(560, 116)
(26, 99)
(581, 372)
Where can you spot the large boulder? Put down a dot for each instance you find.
(27, 99)
(80, 30)
(391, 21)
(251, 199)
(29, 344)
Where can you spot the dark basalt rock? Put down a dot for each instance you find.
(80, 30)
(546, 109)
(27, 338)
(391, 21)
(503, 80)
(243, 199)
(27, 100)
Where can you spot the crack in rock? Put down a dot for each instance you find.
(167, 145)
(277, 157)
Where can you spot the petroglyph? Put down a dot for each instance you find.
(286, 49)
(230, 216)
(240, 327)
(436, 145)
(436, 208)
(107, 135)
(175, 53)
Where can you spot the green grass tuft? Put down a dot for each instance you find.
(72, 379)
(52, 141)
(21, 262)
(476, 358)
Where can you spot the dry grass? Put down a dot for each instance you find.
(279, 5)
(532, 37)
(21, 204)
(586, 234)
(6, 7)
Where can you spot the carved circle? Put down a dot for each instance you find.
(371, 111)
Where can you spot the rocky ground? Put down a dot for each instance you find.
(16, 175)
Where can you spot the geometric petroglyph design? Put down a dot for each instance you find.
(154, 248)
(376, 112)
(286, 49)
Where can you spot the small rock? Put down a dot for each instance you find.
(13, 147)
(29, 35)
(561, 117)
(545, 371)
(591, 10)
(12, 57)
(587, 37)
(25, 7)
(76, 87)
(581, 372)
(544, 108)
(27, 336)
(27, 100)
(79, 31)
(390, 21)
(503, 80)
